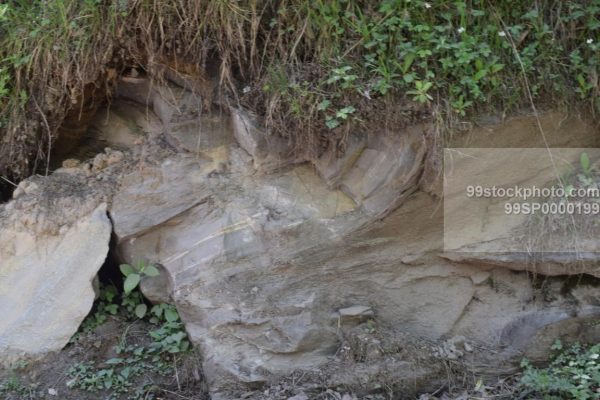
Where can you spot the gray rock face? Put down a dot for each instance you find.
(249, 255)
(156, 194)
(268, 152)
(53, 240)
(272, 263)
(276, 263)
(387, 171)
(332, 168)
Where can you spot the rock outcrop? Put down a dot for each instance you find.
(273, 262)
(278, 263)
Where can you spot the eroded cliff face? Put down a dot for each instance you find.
(278, 263)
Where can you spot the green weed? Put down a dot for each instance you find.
(133, 275)
(12, 385)
(167, 340)
(574, 373)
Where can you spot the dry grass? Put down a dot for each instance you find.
(61, 58)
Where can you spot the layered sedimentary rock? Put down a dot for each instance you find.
(268, 258)
(277, 262)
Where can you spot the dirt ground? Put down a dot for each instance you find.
(49, 379)
(369, 366)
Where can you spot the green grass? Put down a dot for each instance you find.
(310, 68)
(465, 56)
(574, 373)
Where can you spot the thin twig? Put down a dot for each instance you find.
(535, 113)
(9, 181)
(177, 394)
(47, 130)
(176, 374)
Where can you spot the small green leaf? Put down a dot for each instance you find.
(425, 86)
(112, 309)
(557, 345)
(533, 14)
(497, 67)
(479, 64)
(332, 122)
(569, 190)
(139, 266)
(184, 345)
(479, 75)
(157, 310)
(109, 294)
(333, 79)
(408, 60)
(344, 112)
(409, 78)
(140, 310)
(131, 282)
(126, 269)
(584, 160)
(178, 337)
(323, 105)
(171, 315)
(151, 270)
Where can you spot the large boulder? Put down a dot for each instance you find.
(54, 237)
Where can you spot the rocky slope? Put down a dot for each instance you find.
(277, 263)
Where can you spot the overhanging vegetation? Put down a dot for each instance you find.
(308, 67)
